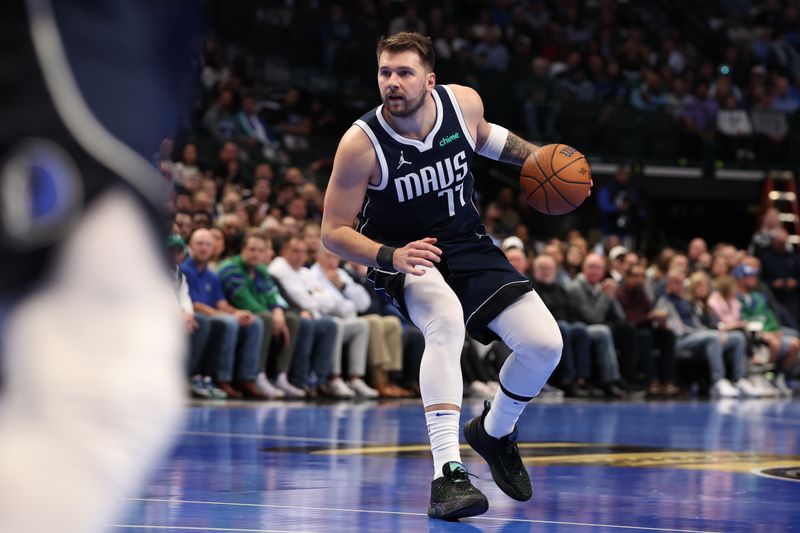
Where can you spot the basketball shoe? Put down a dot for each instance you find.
(502, 455)
(453, 496)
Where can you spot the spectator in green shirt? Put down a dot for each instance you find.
(248, 285)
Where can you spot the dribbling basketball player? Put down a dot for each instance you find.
(402, 173)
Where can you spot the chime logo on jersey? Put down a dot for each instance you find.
(432, 178)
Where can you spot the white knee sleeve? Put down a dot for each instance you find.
(528, 328)
(436, 311)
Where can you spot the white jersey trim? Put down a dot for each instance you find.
(492, 296)
(378, 152)
(460, 116)
(421, 146)
(76, 113)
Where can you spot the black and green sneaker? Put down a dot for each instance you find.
(502, 455)
(453, 496)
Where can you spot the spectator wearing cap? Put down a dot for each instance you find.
(617, 267)
(515, 253)
(198, 327)
(755, 310)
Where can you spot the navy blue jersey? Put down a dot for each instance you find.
(426, 186)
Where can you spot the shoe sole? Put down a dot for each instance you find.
(471, 436)
(459, 509)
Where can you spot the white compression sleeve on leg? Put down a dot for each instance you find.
(528, 328)
(435, 310)
(495, 143)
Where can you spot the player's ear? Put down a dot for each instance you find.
(430, 80)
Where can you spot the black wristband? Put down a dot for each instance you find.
(385, 257)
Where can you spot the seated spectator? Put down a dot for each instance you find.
(596, 306)
(649, 96)
(538, 93)
(771, 129)
(783, 348)
(303, 287)
(241, 332)
(780, 269)
(197, 326)
(219, 120)
(187, 166)
(698, 338)
(405, 379)
(651, 332)
(248, 285)
(734, 131)
(183, 222)
(617, 269)
(219, 248)
(573, 259)
(697, 248)
(700, 122)
(761, 240)
(621, 208)
(574, 369)
(384, 350)
(294, 122)
(255, 134)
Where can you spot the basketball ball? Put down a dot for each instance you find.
(556, 179)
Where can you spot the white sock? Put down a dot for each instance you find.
(443, 432)
(503, 416)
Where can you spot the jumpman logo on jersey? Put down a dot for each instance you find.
(402, 161)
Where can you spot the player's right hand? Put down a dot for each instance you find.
(416, 254)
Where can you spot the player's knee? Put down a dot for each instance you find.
(542, 349)
(446, 333)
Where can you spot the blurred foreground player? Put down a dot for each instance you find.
(403, 173)
(91, 343)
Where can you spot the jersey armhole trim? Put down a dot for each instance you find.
(460, 116)
(378, 153)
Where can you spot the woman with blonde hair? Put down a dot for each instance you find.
(724, 303)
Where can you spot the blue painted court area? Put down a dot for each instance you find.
(610, 467)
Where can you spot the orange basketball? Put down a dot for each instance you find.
(556, 179)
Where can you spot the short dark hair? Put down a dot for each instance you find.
(254, 234)
(409, 41)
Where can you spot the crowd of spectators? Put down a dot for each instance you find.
(273, 314)
(677, 81)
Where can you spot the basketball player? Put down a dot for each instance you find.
(90, 342)
(402, 172)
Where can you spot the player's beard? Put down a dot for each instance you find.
(411, 107)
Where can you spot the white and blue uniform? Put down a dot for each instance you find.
(426, 190)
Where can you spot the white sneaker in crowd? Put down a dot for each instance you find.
(722, 388)
(479, 389)
(780, 384)
(336, 387)
(362, 389)
(268, 388)
(282, 382)
(767, 389)
(748, 390)
(552, 392)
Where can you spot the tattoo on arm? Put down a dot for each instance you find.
(516, 150)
